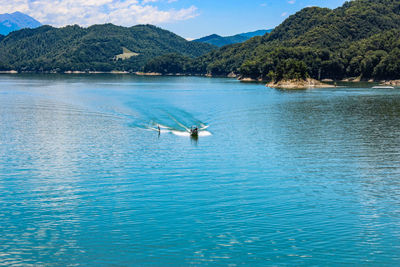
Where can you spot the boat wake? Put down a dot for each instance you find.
(169, 120)
(185, 133)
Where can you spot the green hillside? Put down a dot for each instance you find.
(97, 48)
(355, 20)
(359, 39)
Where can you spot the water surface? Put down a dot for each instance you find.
(280, 177)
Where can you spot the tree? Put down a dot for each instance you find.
(250, 69)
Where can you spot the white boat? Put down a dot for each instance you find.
(383, 87)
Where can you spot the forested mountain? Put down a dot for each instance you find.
(256, 33)
(359, 39)
(355, 20)
(16, 21)
(97, 48)
(220, 41)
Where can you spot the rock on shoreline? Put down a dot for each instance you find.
(391, 83)
(8, 72)
(148, 73)
(299, 84)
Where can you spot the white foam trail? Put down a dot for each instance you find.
(165, 129)
(163, 126)
(180, 124)
(181, 133)
(204, 133)
(162, 130)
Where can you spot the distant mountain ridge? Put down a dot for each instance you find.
(16, 21)
(219, 41)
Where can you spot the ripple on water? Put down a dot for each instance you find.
(303, 178)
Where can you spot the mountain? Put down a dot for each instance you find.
(16, 21)
(220, 41)
(97, 48)
(359, 39)
(256, 33)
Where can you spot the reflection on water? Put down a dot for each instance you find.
(305, 177)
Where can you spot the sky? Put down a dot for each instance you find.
(187, 18)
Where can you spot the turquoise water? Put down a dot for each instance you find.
(276, 177)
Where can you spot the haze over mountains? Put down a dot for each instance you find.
(220, 41)
(16, 21)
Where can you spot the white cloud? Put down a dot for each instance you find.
(149, 1)
(88, 12)
(292, 2)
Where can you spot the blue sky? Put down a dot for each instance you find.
(188, 18)
(236, 16)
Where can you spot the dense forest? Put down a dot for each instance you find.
(359, 39)
(91, 49)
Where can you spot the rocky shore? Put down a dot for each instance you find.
(148, 73)
(8, 72)
(299, 84)
(391, 83)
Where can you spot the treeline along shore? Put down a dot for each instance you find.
(357, 41)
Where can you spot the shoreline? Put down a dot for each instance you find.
(292, 84)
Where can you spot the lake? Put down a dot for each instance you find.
(308, 177)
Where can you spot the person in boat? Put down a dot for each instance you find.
(194, 130)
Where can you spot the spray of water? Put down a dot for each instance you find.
(168, 120)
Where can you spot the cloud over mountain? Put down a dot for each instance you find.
(119, 12)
